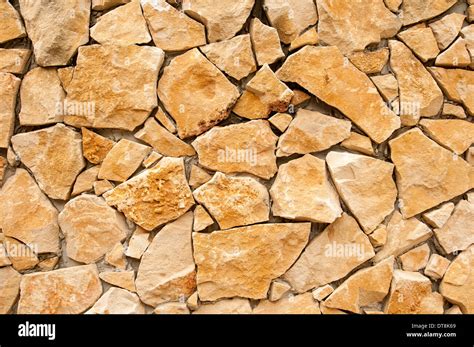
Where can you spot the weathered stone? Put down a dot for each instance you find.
(195, 93)
(278, 288)
(250, 106)
(378, 237)
(226, 306)
(193, 302)
(415, 11)
(309, 37)
(117, 301)
(421, 41)
(416, 259)
(94, 146)
(437, 266)
(48, 264)
(468, 34)
(366, 186)
(331, 255)
(455, 134)
(66, 291)
(324, 72)
(9, 86)
(22, 256)
(393, 5)
(14, 60)
(456, 55)
(447, 29)
(171, 29)
(101, 5)
(300, 97)
(172, 308)
(376, 23)
(302, 191)
(453, 110)
(470, 156)
(370, 62)
(152, 159)
(154, 197)
(56, 29)
(85, 181)
(174, 278)
(359, 143)
(12, 26)
(102, 186)
(116, 256)
(387, 86)
(198, 177)
(122, 279)
(266, 42)
(202, 219)
(138, 243)
(91, 227)
(297, 304)
(9, 288)
(246, 147)
(243, 261)
(281, 121)
(427, 174)
(322, 292)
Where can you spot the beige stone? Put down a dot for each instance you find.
(122, 279)
(278, 289)
(45, 22)
(138, 243)
(117, 301)
(387, 86)
(302, 191)
(22, 256)
(281, 121)
(116, 256)
(224, 257)
(300, 97)
(453, 110)
(202, 219)
(370, 62)
(3, 169)
(94, 146)
(226, 306)
(393, 5)
(330, 311)
(324, 72)
(359, 143)
(421, 41)
(102, 186)
(70, 290)
(85, 181)
(331, 255)
(468, 34)
(365, 185)
(14, 60)
(427, 174)
(172, 308)
(9, 288)
(198, 177)
(101, 5)
(152, 159)
(193, 302)
(250, 106)
(416, 11)
(48, 264)
(322, 292)
(195, 93)
(447, 29)
(416, 259)
(9, 86)
(297, 304)
(266, 42)
(437, 266)
(456, 55)
(163, 118)
(309, 37)
(457, 135)
(174, 278)
(378, 237)
(12, 26)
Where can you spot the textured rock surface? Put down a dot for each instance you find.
(9, 288)
(117, 301)
(9, 86)
(457, 135)
(95, 147)
(416, 259)
(297, 304)
(14, 60)
(12, 26)
(422, 41)
(266, 42)
(447, 28)
(416, 11)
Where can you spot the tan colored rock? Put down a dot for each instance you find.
(172, 308)
(437, 266)
(456, 55)
(9, 288)
(4, 260)
(163, 118)
(300, 97)
(116, 256)
(198, 177)
(102, 186)
(457, 135)
(9, 86)
(246, 148)
(470, 156)
(250, 106)
(324, 72)
(14, 60)
(297, 304)
(123, 160)
(266, 42)
(387, 86)
(358, 143)
(12, 26)
(101, 5)
(302, 191)
(278, 289)
(420, 96)
(365, 185)
(117, 301)
(113, 86)
(152, 159)
(22, 256)
(370, 62)
(226, 306)
(138, 243)
(309, 37)
(94, 146)
(447, 29)
(171, 29)
(468, 34)
(322, 292)
(45, 22)
(411, 293)
(281, 121)
(393, 5)
(224, 257)
(458, 282)
(378, 237)
(154, 197)
(186, 83)
(311, 132)
(66, 291)
(222, 19)
(48, 264)
(331, 255)
(421, 41)
(470, 14)
(202, 220)
(376, 23)
(453, 110)
(193, 302)
(416, 259)
(3, 168)
(175, 277)
(163, 141)
(366, 287)
(330, 311)
(122, 279)
(85, 181)
(415, 11)
(427, 174)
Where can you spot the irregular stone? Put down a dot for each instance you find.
(227, 306)
(378, 237)
(94, 146)
(278, 289)
(297, 304)
(12, 26)
(411, 293)
(116, 256)
(393, 5)
(376, 24)
(470, 156)
(300, 97)
(138, 243)
(113, 86)
(437, 266)
(458, 282)
(365, 185)
(421, 41)
(101, 5)
(447, 29)
(224, 258)
(456, 55)
(281, 121)
(188, 80)
(48, 264)
(123, 160)
(117, 301)
(85, 181)
(9, 288)
(420, 96)
(468, 34)
(163, 141)
(324, 72)
(370, 62)
(416, 259)
(102, 186)
(154, 197)
(366, 287)
(311, 132)
(453, 110)
(302, 191)
(309, 37)
(222, 19)
(427, 174)
(246, 147)
(331, 255)
(152, 159)
(14, 60)
(9, 86)
(66, 291)
(359, 143)
(266, 42)
(455, 134)
(172, 308)
(46, 22)
(193, 302)
(387, 86)
(171, 29)
(122, 279)
(163, 118)
(198, 177)
(322, 292)
(415, 11)
(22, 256)
(251, 106)
(202, 220)
(174, 278)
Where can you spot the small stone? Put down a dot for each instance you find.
(94, 146)
(309, 37)
(245, 148)
(455, 134)
(163, 141)
(123, 160)
(85, 181)
(122, 279)
(421, 41)
(172, 308)
(116, 257)
(300, 97)
(48, 264)
(170, 28)
(193, 302)
(359, 143)
(297, 304)
(278, 289)
(174, 278)
(411, 293)
(198, 177)
(378, 237)
(45, 22)
(281, 121)
(447, 29)
(9, 86)
(22, 256)
(117, 301)
(12, 26)
(331, 255)
(437, 266)
(427, 174)
(152, 159)
(366, 186)
(415, 11)
(9, 288)
(456, 55)
(102, 5)
(251, 106)
(302, 191)
(224, 257)
(370, 62)
(323, 292)
(453, 110)
(234, 57)
(266, 42)
(138, 243)
(195, 93)
(202, 220)
(66, 291)
(387, 86)
(311, 132)
(102, 186)
(14, 60)
(416, 259)
(222, 19)
(227, 306)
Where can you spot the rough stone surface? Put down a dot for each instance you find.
(12, 26)
(117, 301)
(416, 11)
(387, 86)
(421, 41)
(122, 279)
(437, 266)
(370, 62)
(14, 60)
(95, 147)
(202, 219)
(9, 288)
(456, 55)
(416, 259)
(297, 304)
(438, 217)
(359, 143)
(266, 42)
(278, 289)
(455, 134)
(447, 28)
(138, 243)
(226, 306)
(9, 86)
